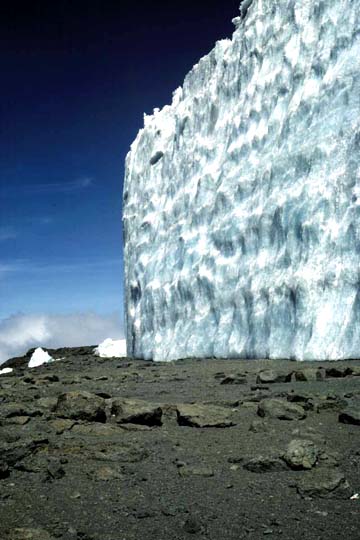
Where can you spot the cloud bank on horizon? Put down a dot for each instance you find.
(20, 332)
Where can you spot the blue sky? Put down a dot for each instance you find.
(76, 80)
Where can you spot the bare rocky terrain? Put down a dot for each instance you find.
(121, 449)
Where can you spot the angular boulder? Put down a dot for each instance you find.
(82, 406)
(136, 411)
(324, 484)
(28, 534)
(281, 409)
(201, 416)
(264, 464)
(310, 374)
(301, 454)
(350, 416)
(269, 376)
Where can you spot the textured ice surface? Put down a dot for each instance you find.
(242, 198)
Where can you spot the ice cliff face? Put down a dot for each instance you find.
(242, 198)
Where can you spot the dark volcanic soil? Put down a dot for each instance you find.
(97, 449)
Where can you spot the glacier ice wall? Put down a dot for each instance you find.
(242, 198)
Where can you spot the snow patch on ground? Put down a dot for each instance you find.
(39, 357)
(5, 370)
(111, 348)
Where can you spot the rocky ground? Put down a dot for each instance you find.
(94, 449)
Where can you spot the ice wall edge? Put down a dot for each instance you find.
(242, 198)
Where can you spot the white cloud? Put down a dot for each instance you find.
(63, 187)
(8, 268)
(29, 266)
(43, 220)
(67, 186)
(20, 332)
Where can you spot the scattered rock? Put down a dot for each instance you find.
(331, 402)
(28, 534)
(338, 372)
(4, 469)
(12, 453)
(169, 509)
(75, 534)
(256, 397)
(281, 409)
(197, 415)
(238, 378)
(135, 427)
(48, 378)
(10, 410)
(186, 470)
(249, 405)
(143, 514)
(47, 403)
(350, 416)
(104, 395)
(268, 376)
(8, 436)
(307, 432)
(324, 483)
(310, 374)
(127, 453)
(81, 406)
(17, 420)
(95, 430)
(28, 380)
(135, 411)
(34, 463)
(232, 404)
(329, 458)
(61, 424)
(236, 459)
(55, 470)
(264, 464)
(306, 400)
(258, 426)
(301, 454)
(107, 473)
(192, 526)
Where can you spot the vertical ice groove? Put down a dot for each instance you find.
(242, 197)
